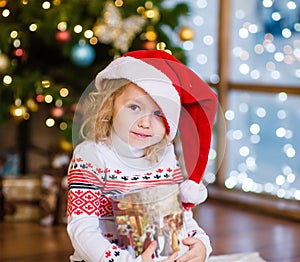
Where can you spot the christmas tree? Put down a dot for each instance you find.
(51, 50)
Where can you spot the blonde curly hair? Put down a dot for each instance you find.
(98, 126)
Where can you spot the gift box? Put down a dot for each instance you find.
(35, 198)
(27, 188)
(21, 198)
(150, 214)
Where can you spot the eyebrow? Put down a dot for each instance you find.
(132, 100)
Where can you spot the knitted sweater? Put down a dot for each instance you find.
(98, 171)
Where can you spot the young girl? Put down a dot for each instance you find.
(143, 100)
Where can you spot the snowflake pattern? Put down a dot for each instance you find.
(112, 254)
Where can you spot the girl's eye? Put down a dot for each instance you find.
(134, 107)
(158, 113)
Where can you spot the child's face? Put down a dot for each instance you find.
(137, 119)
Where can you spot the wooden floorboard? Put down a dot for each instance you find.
(236, 230)
(232, 230)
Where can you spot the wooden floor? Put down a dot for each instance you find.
(231, 230)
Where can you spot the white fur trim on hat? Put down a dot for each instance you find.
(192, 192)
(151, 80)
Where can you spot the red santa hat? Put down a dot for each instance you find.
(188, 104)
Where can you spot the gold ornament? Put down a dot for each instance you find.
(186, 33)
(151, 35)
(46, 83)
(3, 3)
(19, 112)
(65, 145)
(161, 46)
(32, 105)
(4, 62)
(119, 3)
(150, 12)
(112, 29)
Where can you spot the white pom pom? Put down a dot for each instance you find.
(192, 192)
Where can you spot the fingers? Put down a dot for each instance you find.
(171, 258)
(196, 253)
(189, 241)
(147, 254)
(188, 256)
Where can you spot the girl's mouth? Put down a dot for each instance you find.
(141, 135)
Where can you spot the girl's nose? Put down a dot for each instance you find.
(144, 121)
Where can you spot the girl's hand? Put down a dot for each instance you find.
(147, 254)
(196, 253)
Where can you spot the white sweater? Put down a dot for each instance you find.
(96, 172)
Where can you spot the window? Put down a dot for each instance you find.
(263, 143)
(265, 43)
(249, 51)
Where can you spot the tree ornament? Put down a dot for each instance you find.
(57, 112)
(161, 46)
(186, 33)
(4, 62)
(114, 30)
(65, 145)
(83, 54)
(63, 36)
(39, 98)
(20, 54)
(150, 35)
(150, 45)
(32, 105)
(19, 112)
(150, 12)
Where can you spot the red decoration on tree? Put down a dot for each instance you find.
(150, 45)
(63, 36)
(57, 112)
(39, 98)
(20, 54)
